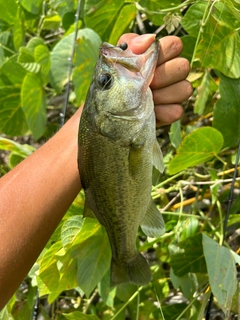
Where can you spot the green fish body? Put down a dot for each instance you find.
(117, 149)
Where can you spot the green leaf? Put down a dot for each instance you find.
(52, 22)
(5, 314)
(67, 268)
(62, 52)
(188, 47)
(90, 227)
(191, 21)
(13, 146)
(226, 112)
(153, 8)
(18, 151)
(93, 256)
(175, 134)
(18, 30)
(48, 278)
(189, 257)
(220, 49)
(187, 283)
(106, 292)
(34, 42)
(27, 60)
(42, 57)
(203, 93)
(12, 73)
(32, 6)
(77, 315)
(124, 18)
(101, 15)
(86, 55)
(8, 10)
(25, 55)
(197, 147)
(221, 271)
(34, 104)
(12, 118)
(70, 229)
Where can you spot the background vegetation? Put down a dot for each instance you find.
(198, 253)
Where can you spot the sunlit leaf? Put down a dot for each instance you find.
(34, 104)
(61, 53)
(52, 22)
(175, 134)
(93, 256)
(191, 21)
(49, 275)
(220, 49)
(8, 10)
(203, 93)
(86, 55)
(124, 18)
(42, 57)
(101, 15)
(197, 147)
(227, 111)
(70, 229)
(221, 271)
(19, 34)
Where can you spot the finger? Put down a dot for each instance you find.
(170, 72)
(175, 93)
(138, 44)
(166, 114)
(170, 47)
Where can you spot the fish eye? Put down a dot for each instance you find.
(105, 81)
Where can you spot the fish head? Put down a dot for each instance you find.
(120, 90)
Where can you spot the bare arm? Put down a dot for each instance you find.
(35, 195)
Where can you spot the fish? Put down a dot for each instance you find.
(117, 149)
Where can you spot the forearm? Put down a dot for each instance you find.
(34, 196)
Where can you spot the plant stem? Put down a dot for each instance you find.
(125, 304)
(7, 49)
(163, 11)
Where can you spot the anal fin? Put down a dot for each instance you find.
(153, 224)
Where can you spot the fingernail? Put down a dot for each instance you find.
(144, 38)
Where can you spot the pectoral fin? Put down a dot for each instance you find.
(158, 157)
(153, 224)
(87, 212)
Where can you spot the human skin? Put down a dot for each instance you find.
(36, 194)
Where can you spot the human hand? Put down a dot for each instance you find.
(169, 85)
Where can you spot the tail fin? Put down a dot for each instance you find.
(136, 271)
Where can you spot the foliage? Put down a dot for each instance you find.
(193, 258)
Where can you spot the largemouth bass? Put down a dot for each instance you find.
(117, 149)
